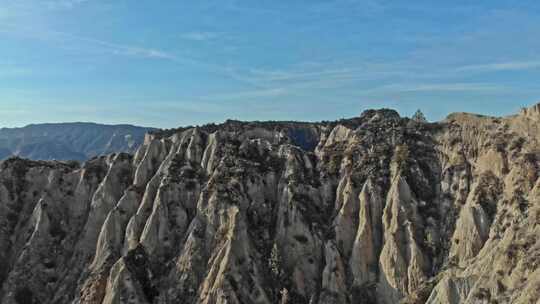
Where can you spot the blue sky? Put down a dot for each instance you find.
(170, 63)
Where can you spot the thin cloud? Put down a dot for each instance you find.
(317, 75)
(26, 7)
(237, 7)
(199, 36)
(275, 83)
(129, 50)
(87, 44)
(64, 4)
(250, 94)
(361, 72)
(502, 66)
(364, 6)
(116, 48)
(438, 87)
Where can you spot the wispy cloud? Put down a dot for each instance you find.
(324, 75)
(297, 88)
(233, 5)
(303, 78)
(501, 66)
(27, 8)
(84, 44)
(359, 71)
(247, 94)
(122, 49)
(199, 36)
(363, 6)
(63, 4)
(438, 87)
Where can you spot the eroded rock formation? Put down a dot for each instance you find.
(374, 209)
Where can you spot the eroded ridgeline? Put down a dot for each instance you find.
(379, 208)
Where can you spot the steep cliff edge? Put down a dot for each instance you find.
(374, 209)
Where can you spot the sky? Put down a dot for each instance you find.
(173, 63)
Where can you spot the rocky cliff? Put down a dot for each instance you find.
(374, 209)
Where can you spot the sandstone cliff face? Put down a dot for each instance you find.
(375, 209)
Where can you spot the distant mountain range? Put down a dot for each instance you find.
(69, 141)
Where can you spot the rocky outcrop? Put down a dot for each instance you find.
(373, 209)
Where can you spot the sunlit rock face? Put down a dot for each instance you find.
(374, 209)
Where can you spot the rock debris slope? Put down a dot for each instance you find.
(374, 209)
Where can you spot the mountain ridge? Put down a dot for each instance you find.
(69, 141)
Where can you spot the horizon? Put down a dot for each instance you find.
(171, 64)
(233, 119)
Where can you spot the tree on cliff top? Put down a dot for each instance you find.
(419, 116)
